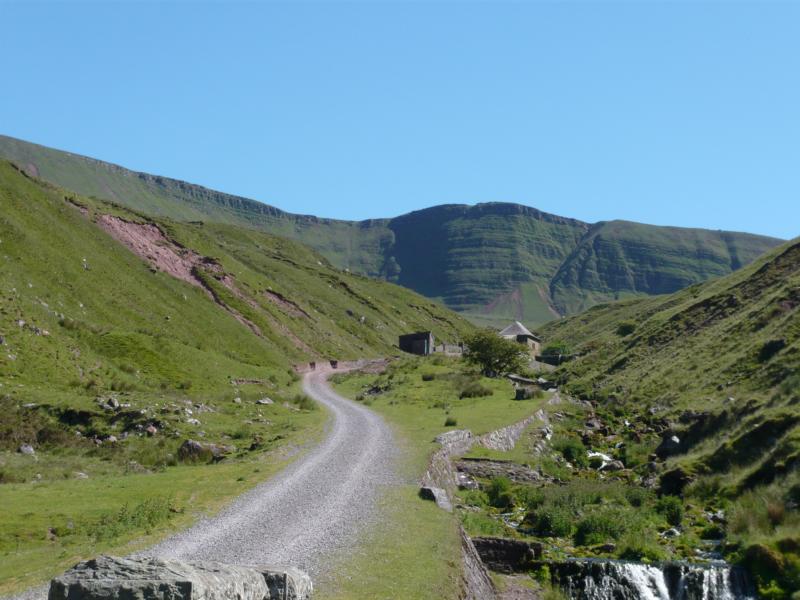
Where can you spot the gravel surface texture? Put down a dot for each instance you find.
(308, 514)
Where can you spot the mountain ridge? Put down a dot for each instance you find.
(493, 261)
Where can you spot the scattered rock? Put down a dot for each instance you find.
(437, 495)
(81, 475)
(26, 449)
(614, 465)
(194, 451)
(151, 430)
(671, 533)
(193, 421)
(237, 400)
(669, 446)
(265, 400)
(111, 578)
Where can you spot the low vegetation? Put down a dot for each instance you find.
(700, 391)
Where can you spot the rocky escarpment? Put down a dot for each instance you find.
(495, 261)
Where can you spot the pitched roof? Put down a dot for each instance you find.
(516, 328)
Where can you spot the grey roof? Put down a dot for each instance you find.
(515, 329)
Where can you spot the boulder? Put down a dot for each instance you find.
(26, 449)
(194, 451)
(111, 578)
(669, 446)
(614, 465)
(437, 495)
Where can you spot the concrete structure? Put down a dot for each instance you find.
(421, 343)
(520, 334)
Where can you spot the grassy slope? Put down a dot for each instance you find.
(719, 362)
(620, 258)
(414, 537)
(495, 262)
(84, 319)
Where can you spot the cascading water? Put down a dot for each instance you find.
(620, 580)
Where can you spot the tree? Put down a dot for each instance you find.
(495, 355)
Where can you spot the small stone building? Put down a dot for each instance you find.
(421, 343)
(520, 334)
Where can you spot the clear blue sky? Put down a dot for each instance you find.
(671, 113)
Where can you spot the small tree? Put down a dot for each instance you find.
(495, 355)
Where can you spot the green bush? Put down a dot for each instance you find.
(428, 377)
(303, 402)
(475, 498)
(572, 449)
(450, 422)
(499, 493)
(551, 521)
(475, 390)
(635, 546)
(671, 507)
(600, 526)
(626, 328)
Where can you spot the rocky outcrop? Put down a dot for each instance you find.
(489, 469)
(507, 556)
(111, 578)
(437, 495)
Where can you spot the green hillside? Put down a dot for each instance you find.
(717, 366)
(493, 262)
(121, 337)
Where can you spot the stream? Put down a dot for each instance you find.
(594, 579)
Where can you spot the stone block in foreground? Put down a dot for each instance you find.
(111, 578)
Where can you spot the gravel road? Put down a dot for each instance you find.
(310, 512)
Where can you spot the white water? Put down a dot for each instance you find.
(618, 580)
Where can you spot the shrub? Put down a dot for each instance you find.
(428, 377)
(600, 526)
(551, 521)
(303, 402)
(626, 328)
(475, 390)
(573, 450)
(475, 498)
(637, 496)
(499, 493)
(450, 422)
(671, 507)
(635, 546)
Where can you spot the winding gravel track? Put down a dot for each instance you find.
(312, 510)
(309, 513)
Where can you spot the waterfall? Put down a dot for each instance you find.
(592, 579)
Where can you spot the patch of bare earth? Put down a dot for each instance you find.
(151, 244)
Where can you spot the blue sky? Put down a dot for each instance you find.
(677, 113)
